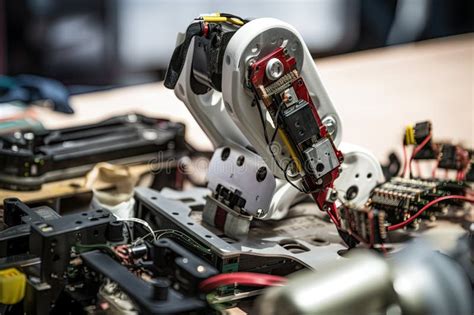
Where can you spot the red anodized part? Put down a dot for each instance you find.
(258, 78)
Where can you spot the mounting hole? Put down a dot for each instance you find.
(99, 211)
(240, 160)
(190, 223)
(227, 59)
(352, 192)
(187, 200)
(293, 246)
(225, 154)
(78, 222)
(255, 49)
(357, 175)
(261, 174)
(319, 167)
(93, 219)
(175, 213)
(153, 198)
(319, 241)
(294, 46)
(208, 236)
(343, 252)
(369, 175)
(84, 214)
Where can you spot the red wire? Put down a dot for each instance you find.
(240, 278)
(428, 205)
(418, 149)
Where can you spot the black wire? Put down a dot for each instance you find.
(288, 180)
(266, 135)
(129, 230)
(228, 15)
(284, 170)
(276, 124)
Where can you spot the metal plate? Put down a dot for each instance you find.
(236, 168)
(303, 237)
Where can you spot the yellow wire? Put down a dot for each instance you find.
(222, 19)
(410, 135)
(293, 155)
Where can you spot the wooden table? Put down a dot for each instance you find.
(377, 93)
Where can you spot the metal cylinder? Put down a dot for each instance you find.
(348, 284)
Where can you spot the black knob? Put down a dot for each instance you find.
(115, 231)
(160, 289)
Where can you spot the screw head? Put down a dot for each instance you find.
(201, 269)
(274, 69)
(330, 124)
(260, 213)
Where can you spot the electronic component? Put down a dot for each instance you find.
(29, 159)
(368, 225)
(421, 135)
(173, 289)
(17, 219)
(277, 83)
(299, 121)
(453, 157)
(401, 198)
(70, 260)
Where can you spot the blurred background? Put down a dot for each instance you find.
(92, 44)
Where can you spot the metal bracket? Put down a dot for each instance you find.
(302, 241)
(243, 174)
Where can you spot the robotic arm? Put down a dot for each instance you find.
(254, 89)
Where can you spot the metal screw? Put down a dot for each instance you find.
(260, 213)
(201, 269)
(274, 69)
(330, 124)
(29, 136)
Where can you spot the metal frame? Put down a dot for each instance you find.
(173, 213)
